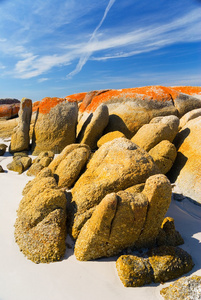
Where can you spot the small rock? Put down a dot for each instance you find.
(1, 169)
(183, 288)
(2, 149)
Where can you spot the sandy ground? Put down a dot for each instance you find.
(70, 279)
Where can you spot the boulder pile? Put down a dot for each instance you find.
(109, 185)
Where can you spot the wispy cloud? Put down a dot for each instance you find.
(87, 54)
(42, 79)
(106, 45)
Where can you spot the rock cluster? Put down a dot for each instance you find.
(114, 148)
(20, 163)
(9, 108)
(163, 263)
(43, 160)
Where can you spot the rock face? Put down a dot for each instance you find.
(115, 224)
(20, 137)
(189, 116)
(69, 163)
(2, 149)
(42, 161)
(55, 126)
(164, 263)
(40, 227)
(159, 129)
(121, 220)
(184, 288)
(187, 167)
(129, 109)
(189, 90)
(158, 192)
(93, 127)
(115, 166)
(164, 155)
(9, 108)
(108, 137)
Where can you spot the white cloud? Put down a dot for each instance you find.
(112, 45)
(90, 46)
(42, 79)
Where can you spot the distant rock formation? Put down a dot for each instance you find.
(55, 125)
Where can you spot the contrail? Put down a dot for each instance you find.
(84, 58)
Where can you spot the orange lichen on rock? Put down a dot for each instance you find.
(76, 97)
(35, 106)
(9, 110)
(47, 103)
(189, 90)
(157, 93)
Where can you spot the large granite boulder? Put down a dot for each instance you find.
(189, 116)
(158, 191)
(186, 171)
(194, 91)
(93, 128)
(163, 263)
(183, 288)
(115, 225)
(69, 163)
(108, 137)
(159, 129)
(20, 137)
(129, 109)
(9, 108)
(40, 227)
(124, 220)
(115, 166)
(55, 125)
(164, 155)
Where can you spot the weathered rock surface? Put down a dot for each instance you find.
(46, 172)
(19, 164)
(169, 263)
(186, 170)
(42, 161)
(20, 137)
(194, 91)
(164, 155)
(108, 137)
(69, 164)
(93, 127)
(40, 227)
(168, 236)
(159, 129)
(55, 126)
(163, 264)
(115, 224)
(129, 109)
(183, 288)
(31, 191)
(2, 149)
(8, 111)
(121, 219)
(189, 116)
(115, 166)
(158, 191)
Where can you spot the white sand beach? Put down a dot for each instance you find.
(21, 279)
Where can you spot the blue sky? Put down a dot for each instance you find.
(57, 48)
